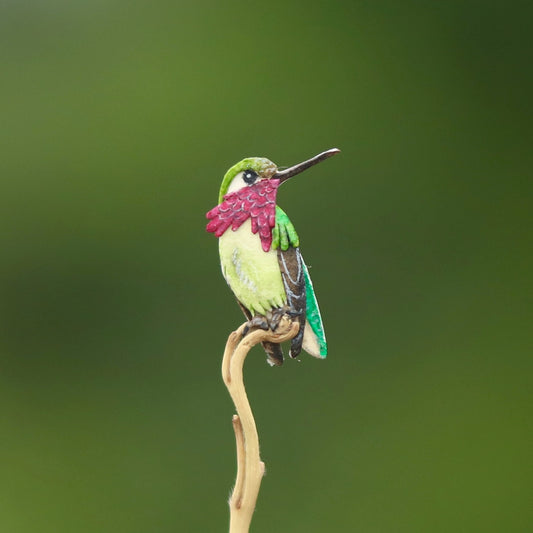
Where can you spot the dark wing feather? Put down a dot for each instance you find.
(292, 273)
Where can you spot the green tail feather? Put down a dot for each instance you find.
(313, 314)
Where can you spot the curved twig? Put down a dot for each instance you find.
(250, 468)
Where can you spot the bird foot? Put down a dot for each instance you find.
(257, 322)
(275, 316)
(271, 320)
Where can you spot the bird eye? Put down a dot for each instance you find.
(249, 176)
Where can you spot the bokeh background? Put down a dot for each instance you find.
(118, 121)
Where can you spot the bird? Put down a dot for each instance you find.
(260, 254)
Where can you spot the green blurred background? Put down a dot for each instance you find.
(118, 121)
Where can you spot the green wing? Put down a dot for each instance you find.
(284, 236)
(313, 314)
(283, 233)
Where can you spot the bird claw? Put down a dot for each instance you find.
(259, 322)
(271, 320)
(275, 316)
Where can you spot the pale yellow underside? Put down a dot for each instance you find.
(253, 274)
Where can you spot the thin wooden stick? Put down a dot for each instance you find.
(250, 468)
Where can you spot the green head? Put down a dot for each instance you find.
(250, 170)
(245, 172)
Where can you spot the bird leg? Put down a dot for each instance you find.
(257, 322)
(274, 316)
(270, 321)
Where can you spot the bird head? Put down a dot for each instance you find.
(246, 173)
(251, 170)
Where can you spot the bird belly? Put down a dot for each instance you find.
(253, 275)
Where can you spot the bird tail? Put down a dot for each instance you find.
(314, 341)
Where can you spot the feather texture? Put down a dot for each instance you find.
(292, 273)
(256, 202)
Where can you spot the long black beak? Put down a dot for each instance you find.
(300, 167)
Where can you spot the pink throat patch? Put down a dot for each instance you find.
(257, 202)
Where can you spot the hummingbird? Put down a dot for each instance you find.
(260, 254)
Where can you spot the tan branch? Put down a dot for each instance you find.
(250, 468)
